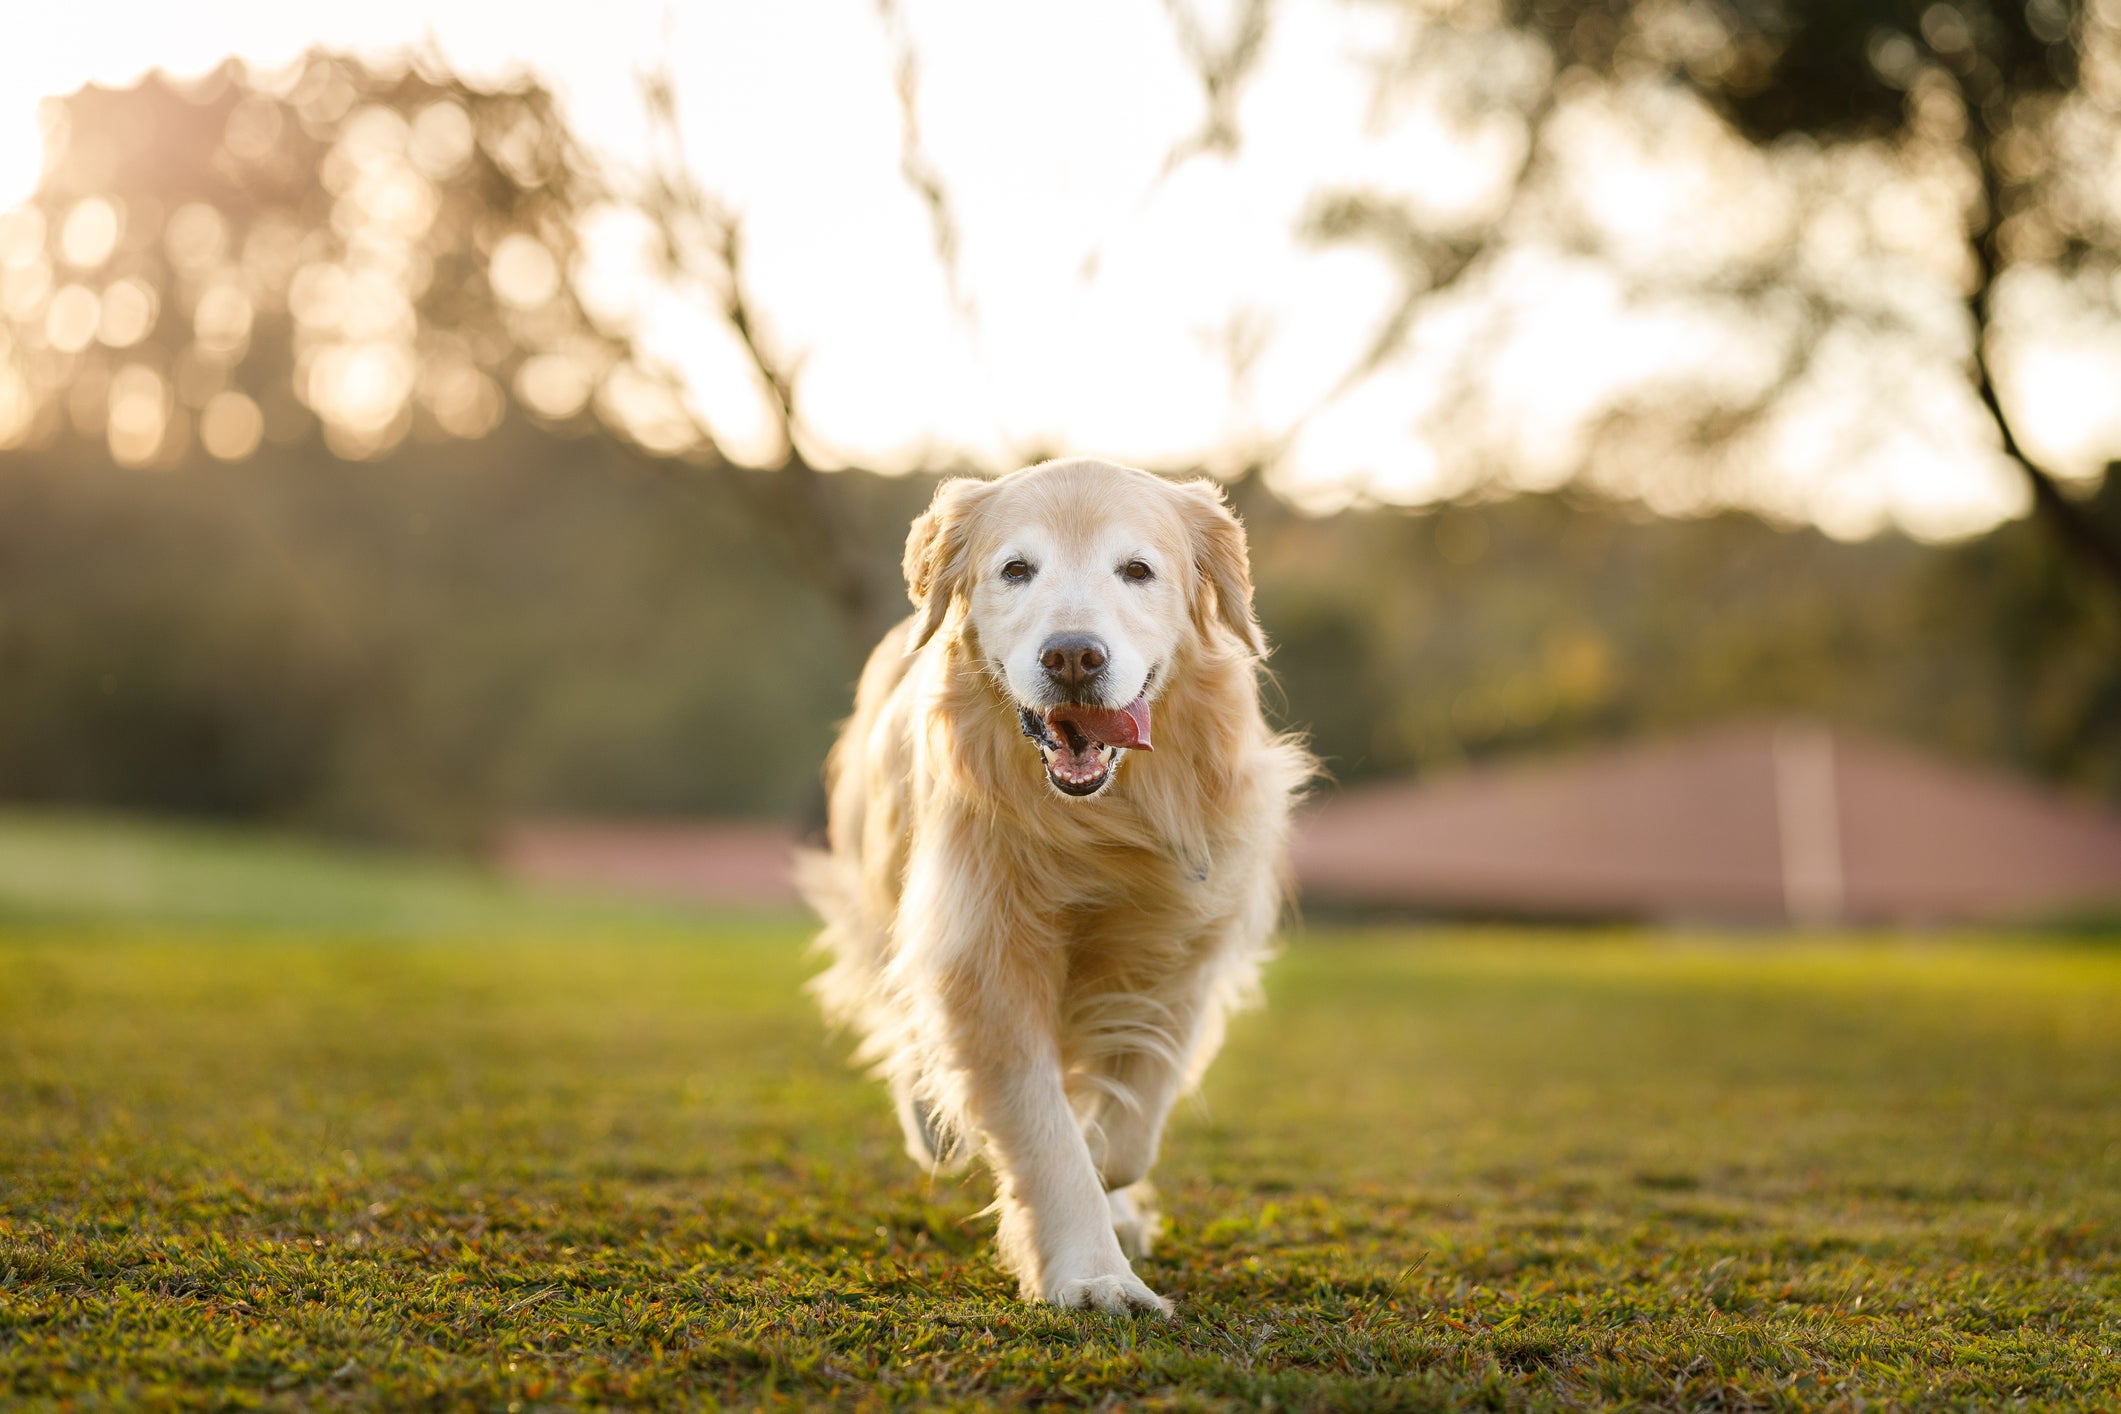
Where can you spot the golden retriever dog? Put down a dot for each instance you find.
(1038, 919)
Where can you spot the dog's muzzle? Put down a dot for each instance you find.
(1082, 744)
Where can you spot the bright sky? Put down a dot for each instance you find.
(1098, 300)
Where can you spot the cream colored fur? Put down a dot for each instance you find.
(1039, 977)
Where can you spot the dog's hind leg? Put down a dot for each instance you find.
(927, 1142)
(1136, 1081)
(1142, 1063)
(1136, 1221)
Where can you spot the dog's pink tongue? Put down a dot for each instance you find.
(1126, 726)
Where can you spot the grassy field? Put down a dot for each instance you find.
(397, 1138)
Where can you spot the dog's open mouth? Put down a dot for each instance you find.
(1082, 744)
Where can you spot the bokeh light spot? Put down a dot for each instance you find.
(24, 290)
(374, 134)
(231, 426)
(90, 233)
(71, 320)
(21, 237)
(317, 297)
(196, 237)
(554, 385)
(221, 320)
(254, 128)
(464, 401)
(129, 309)
(441, 140)
(139, 414)
(359, 387)
(648, 410)
(18, 406)
(523, 272)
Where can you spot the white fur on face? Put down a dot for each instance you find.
(1079, 585)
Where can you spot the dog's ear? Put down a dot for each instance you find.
(936, 569)
(1223, 561)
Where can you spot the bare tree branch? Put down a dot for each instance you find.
(1223, 64)
(1982, 94)
(914, 164)
(1429, 265)
(702, 246)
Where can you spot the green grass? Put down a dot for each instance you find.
(607, 1161)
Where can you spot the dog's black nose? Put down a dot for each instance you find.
(1073, 660)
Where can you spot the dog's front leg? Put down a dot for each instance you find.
(993, 1001)
(1056, 1227)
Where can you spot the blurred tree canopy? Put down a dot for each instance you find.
(1897, 202)
(370, 254)
(241, 288)
(373, 255)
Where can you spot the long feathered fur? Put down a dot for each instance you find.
(1135, 922)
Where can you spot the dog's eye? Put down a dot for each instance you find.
(1137, 572)
(1016, 572)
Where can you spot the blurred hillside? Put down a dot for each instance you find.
(421, 646)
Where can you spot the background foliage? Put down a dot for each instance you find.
(420, 646)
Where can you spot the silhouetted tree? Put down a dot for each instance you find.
(366, 254)
(2000, 115)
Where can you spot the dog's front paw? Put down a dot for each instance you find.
(1120, 1291)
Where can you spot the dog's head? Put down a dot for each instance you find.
(1080, 585)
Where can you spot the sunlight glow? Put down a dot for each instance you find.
(1105, 298)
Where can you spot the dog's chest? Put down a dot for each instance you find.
(1157, 884)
